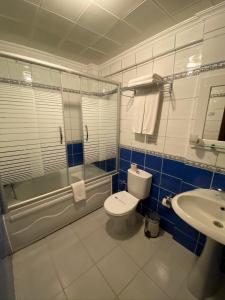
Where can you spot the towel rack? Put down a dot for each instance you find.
(165, 87)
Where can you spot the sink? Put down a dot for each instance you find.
(204, 210)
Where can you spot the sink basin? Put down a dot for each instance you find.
(204, 210)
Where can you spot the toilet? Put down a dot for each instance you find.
(121, 206)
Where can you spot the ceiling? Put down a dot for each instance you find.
(90, 31)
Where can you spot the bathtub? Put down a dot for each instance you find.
(25, 190)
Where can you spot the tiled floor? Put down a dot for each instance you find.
(83, 261)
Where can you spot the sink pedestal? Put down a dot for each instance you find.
(206, 277)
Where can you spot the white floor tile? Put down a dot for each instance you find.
(70, 262)
(118, 269)
(140, 248)
(61, 238)
(184, 294)
(99, 244)
(165, 270)
(89, 286)
(85, 226)
(142, 288)
(34, 273)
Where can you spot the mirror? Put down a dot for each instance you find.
(209, 128)
(214, 128)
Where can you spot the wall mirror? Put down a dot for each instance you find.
(210, 118)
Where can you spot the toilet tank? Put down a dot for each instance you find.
(139, 183)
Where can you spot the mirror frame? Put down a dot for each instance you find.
(205, 87)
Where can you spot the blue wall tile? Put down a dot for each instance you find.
(138, 158)
(185, 187)
(196, 176)
(184, 240)
(78, 159)
(115, 183)
(154, 192)
(166, 225)
(125, 154)
(218, 181)
(70, 149)
(173, 167)
(153, 162)
(171, 183)
(124, 165)
(123, 176)
(156, 176)
(77, 148)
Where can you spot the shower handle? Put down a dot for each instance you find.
(86, 128)
(61, 134)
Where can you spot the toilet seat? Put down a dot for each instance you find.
(120, 204)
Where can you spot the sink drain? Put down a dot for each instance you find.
(218, 224)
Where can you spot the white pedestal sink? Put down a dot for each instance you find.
(205, 211)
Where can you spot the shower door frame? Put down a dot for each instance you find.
(60, 68)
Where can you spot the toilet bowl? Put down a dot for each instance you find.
(121, 206)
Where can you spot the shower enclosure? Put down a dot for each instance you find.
(57, 126)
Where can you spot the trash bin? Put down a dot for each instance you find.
(152, 225)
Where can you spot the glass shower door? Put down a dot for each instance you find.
(32, 145)
(99, 121)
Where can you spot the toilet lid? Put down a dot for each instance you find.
(120, 203)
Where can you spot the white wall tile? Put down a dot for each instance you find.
(144, 53)
(201, 155)
(215, 22)
(145, 69)
(126, 138)
(128, 75)
(185, 88)
(163, 45)
(189, 35)
(181, 109)
(116, 66)
(164, 65)
(155, 143)
(138, 140)
(220, 160)
(188, 59)
(128, 60)
(175, 146)
(118, 77)
(105, 71)
(177, 128)
(213, 50)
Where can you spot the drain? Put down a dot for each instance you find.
(218, 224)
(222, 208)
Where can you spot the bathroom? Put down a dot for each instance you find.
(112, 138)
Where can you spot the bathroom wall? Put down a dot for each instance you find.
(179, 53)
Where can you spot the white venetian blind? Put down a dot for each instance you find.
(20, 149)
(50, 123)
(100, 122)
(30, 122)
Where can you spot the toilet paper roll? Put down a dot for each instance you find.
(134, 167)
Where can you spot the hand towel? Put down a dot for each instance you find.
(150, 112)
(138, 108)
(79, 191)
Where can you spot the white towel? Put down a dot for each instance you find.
(138, 108)
(79, 191)
(150, 112)
(145, 80)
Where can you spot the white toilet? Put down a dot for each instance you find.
(121, 206)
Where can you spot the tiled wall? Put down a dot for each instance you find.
(188, 46)
(75, 154)
(170, 177)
